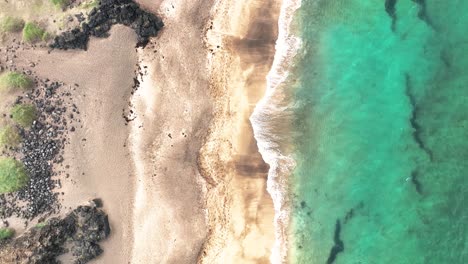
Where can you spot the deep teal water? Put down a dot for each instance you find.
(381, 133)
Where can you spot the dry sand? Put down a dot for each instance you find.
(98, 156)
(173, 111)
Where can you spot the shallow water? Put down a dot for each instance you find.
(381, 133)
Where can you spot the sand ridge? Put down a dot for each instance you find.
(173, 111)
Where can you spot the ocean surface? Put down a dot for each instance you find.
(378, 102)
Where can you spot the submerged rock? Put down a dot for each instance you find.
(101, 19)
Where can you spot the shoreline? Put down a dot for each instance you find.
(240, 58)
(281, 164)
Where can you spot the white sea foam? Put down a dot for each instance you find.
(265, 111)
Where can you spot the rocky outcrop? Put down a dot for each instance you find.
(78, 233)
(101, 19)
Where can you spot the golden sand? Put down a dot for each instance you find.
(241, 36)
(184, 181)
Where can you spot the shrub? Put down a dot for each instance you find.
(24, 114)
(33, 33)
(41, 224)
(11, 24)
(6, 233)
(9, 137)
(13, 175)
(89, 4)
(15, 81)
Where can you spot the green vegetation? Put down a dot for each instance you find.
(60, 3)
(6, 233)
(11, 24)
(15, 81)
(41, 224)
(9, 137)
(33, 33)
(24, 114)
(13, 175)
(89, 4)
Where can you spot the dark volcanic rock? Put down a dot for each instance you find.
(81, 230)
(101, 19)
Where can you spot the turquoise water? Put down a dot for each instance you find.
(381, 133)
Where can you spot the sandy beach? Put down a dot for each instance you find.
(97, 156)
(202, 92)
(241, 223)
(174, 161)
(173, 111)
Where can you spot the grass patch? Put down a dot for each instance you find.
(13, 175)
(89, 4)
(15, 81)
(33, 33)
(6, 233)
(24, 114)
(41, 224)
(11, 24)
(9, 137)
(60, 3)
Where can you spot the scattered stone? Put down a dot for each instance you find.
(97, 202)
(80, 17)
(41, 148)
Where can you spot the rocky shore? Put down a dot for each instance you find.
(101, 19)
(78, 234)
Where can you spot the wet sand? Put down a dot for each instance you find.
(241, 223)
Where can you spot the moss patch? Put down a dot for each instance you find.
(41, 224)
(89, 4)
(24, 114)
(9, 137)
(33, 33)
(6, 233)
(15, 81)
(13, 175)
(60, 3)
(11, 24)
